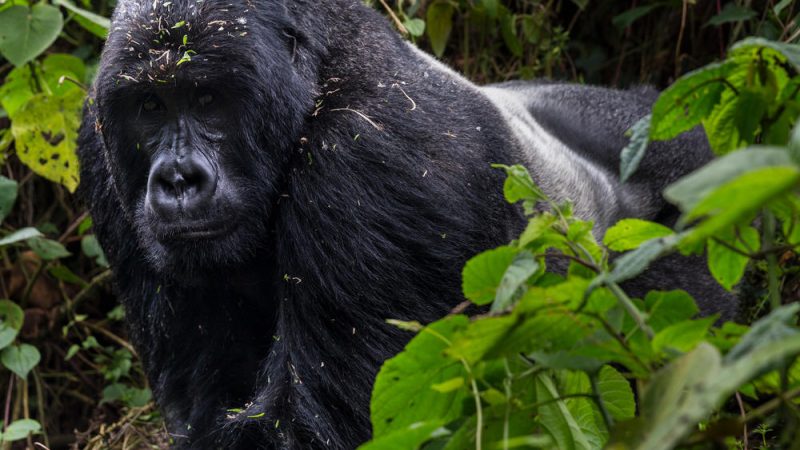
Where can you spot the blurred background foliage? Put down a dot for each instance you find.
(68, 374)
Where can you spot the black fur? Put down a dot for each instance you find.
(352, 181)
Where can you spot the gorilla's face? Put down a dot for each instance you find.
(198, 126)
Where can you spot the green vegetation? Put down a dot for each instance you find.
(556, 360)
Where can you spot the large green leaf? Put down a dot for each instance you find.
(403, 393)
(616, 393)
(628, 234)
(409, 438)
(27, 32)
(738, 200)
(691, 189)
(683, 105)
(759, 48)
(726, 265)
(97, 24)
(483, 273)
(46, 130)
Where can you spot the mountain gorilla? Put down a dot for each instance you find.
(273, 179)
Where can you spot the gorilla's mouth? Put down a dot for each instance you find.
(201, 231)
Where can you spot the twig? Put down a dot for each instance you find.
(400, 26)
(362, 115)
(678, 46)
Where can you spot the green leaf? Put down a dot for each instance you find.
(538, 226)
(780, 6)
(668, 414)
(27, 32)
(508, 30)
(408, 438)
(759, 48)
(738, 200)
(483, 273)
(726, 265)
(733, 123)
(91, 248)
(46, 129)
(732, 13)
(20, 429)
(635, 262)
(689, 100)
(20, 235)
(61, 272)
(492, 7)
(17, 89)
(8, 195)
(58, 65)
(96, 24)
(415, 27)
(440, 23)
(519, 185)
(20, 359)
(668, 308)
(693, 188)
(556, 417)
(629, 234)
(682, 336)
(403, 393)
(11, 319)
(522, 267)
(48, 249)
(630, 16)
(616, 393)
(634, 152)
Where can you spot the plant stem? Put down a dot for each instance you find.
(634, 312)
(478, 408)
(599, 401)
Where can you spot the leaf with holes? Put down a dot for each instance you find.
(46, 130)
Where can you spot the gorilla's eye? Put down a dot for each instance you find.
(151, 104)
(205, 99)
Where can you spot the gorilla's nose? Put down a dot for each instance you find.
(181, 185)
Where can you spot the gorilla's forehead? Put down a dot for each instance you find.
(157, 41)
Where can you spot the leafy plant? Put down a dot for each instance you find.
(550, 364)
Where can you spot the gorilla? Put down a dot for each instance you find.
(272, 179)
